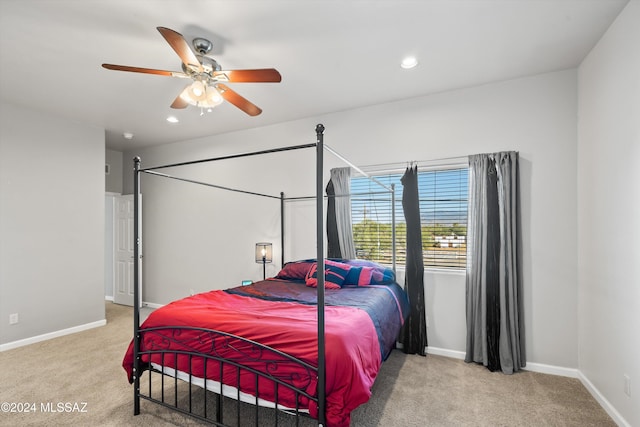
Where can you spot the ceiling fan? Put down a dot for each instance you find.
(207, 88)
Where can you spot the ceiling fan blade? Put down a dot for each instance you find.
(180, 45)
(179, 103)
(263, 75)
(145, 70)
(239, 101)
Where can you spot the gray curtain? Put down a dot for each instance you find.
(339, 215)
(495, 319)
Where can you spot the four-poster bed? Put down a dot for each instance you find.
(283, 342)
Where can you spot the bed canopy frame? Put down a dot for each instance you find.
(320, 371)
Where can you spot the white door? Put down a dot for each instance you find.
(123, 252)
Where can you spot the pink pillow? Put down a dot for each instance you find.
(366, 275)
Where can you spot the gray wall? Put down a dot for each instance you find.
(609, 214)
(51, 223)
(109, 258)
(113, 181)
(186, 226)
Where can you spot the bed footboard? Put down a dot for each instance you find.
(222, 378)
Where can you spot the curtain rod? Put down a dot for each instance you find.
(453, 161)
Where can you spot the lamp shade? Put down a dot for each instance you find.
(264, 252)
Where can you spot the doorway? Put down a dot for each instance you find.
(121, 264)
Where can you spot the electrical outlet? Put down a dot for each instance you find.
(13, 318)
(627, 385)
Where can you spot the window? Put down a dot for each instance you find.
(443, 215)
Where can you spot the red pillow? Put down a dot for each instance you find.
(335, 274)
(296, 270)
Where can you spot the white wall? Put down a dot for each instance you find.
(609, 213)
(51, 223)
(184, 229)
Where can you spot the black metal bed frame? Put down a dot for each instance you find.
(274, 364)
(244, 350)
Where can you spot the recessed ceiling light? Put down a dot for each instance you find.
(127, 135)
(409, 62)
(172, 119)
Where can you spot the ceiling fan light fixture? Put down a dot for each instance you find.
(213, 96)
(201, 95)
(197, 90)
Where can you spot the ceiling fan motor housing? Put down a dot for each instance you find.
(203, 46)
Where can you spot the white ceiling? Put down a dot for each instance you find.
(333, 55)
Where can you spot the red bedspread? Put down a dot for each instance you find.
(352, 348)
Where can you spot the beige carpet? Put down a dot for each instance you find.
(84, 371)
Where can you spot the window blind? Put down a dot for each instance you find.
(443, 197)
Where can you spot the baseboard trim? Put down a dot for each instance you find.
(50, 335)
(446, 353)
(108, 298)
(533, 367)
(606, 405)
(551, 370)
(151, 304)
